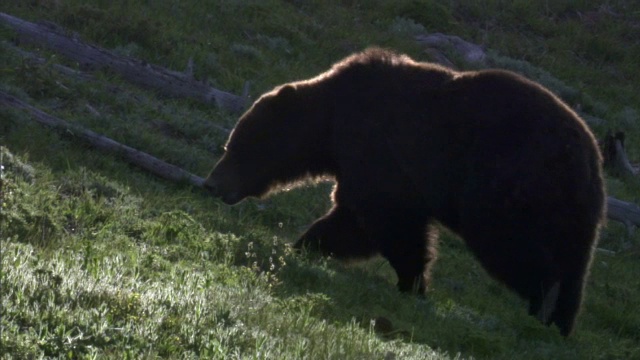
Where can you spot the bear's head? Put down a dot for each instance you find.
(281, 139)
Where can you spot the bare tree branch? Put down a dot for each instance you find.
(167, 82)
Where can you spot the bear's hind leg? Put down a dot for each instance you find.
(338, 234)
(525, 260)
(552, 284)
(574, 262)
(543, 303)
(569, 299)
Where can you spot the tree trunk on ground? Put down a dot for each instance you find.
(437, 44)
(167, 82)
(617, 210)
(615, 157)
(624, 212)
(131, 155)
(182, 85)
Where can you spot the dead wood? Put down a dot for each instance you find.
(617, 210)
(438, 44)
(182, 85)
(615, 157)
(131, 155)
(625, 212)
(80, 75)
(168, 82)
(35, 59)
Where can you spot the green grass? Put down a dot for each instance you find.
(101, 260)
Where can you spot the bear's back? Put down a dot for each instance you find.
(501, 132)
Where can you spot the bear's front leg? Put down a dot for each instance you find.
(410, 247)
(339, 234)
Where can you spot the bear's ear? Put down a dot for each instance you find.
(287, 92)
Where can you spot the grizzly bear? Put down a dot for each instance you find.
(494, 157)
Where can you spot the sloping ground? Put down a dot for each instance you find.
(101, 260)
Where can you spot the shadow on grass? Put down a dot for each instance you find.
(446, 319)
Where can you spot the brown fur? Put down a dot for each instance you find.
(494, 157)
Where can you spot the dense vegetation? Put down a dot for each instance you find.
(101, 260)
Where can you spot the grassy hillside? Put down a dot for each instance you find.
(102, 260)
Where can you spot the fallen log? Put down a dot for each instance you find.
(141, 159)
(615, 157)
(625, 212)
(437, 44)
(617, 210)
(42, 61)
(168, 82)
(67, 71)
